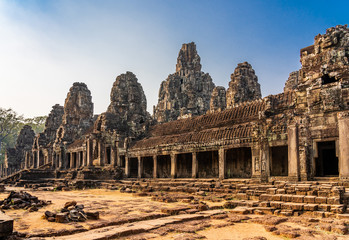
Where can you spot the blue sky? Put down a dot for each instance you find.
(45, 46)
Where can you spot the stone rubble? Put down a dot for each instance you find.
(22, 200)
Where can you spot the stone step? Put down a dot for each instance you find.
(133, 228)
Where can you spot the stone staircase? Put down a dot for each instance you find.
(319, 198)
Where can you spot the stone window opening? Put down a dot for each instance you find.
(326, 79)
(279, 161)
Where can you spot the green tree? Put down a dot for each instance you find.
(11, 124)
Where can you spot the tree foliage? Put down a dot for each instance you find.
(11, 124)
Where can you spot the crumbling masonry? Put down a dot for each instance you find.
(201, 131)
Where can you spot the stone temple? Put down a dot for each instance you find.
(199, 130)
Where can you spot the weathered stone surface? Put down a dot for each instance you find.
(78, 113)
(243, 86)
(187, 92)
(218, 99)
(292, 81)
(127, 112)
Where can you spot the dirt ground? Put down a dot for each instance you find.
(117, 208)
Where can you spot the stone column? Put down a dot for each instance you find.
(84, 159)
(71, 160)
(89, 148)
(293, 153)
(127, 167)
(60, 160)
(155, 172)
(38, 158)
(79, 160)
(101, 152)
(195, 164)
(113, 153)
(256, 166)
(264, 157)
(173, 165)
(140, 167)
(343, 161)
(222, 159)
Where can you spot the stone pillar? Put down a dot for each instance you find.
(140, 167)
(343, 141)
(101, 153)
(84, 159)
(127, 167)
(71, 160)
(79, 160)
(264, 157)
(222, 160)
(89, 148)
(173, 165)
(195, 168)
(155, 172)
(38, 158)
(293, 153)
(113, 153)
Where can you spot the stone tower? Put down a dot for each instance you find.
(127, 112)
(218, 99)
(187, 92)
(243, 86)
(78, 113)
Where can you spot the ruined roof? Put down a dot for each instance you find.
(194, 137)
(243, 113)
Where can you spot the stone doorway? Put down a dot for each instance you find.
(238, 163)
(148, 167)
(133, 167)
(184, 165)
(108, 155)
(327, 161)
(122, 161)
(279, 161)
(164, 166)
(208, 164)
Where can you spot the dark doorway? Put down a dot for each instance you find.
(184, 165)
(238, 163)
(67, 163)
(279, 161)
(327, 161)
(108, 152)
(164, 166)
(133, 167)
(208, 164)
(122, 161)
(148, 167)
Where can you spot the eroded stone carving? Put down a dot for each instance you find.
(187, 92)
(243, 86)
(78, 113)
(218, 99)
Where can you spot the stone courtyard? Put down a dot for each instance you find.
(209, 162)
